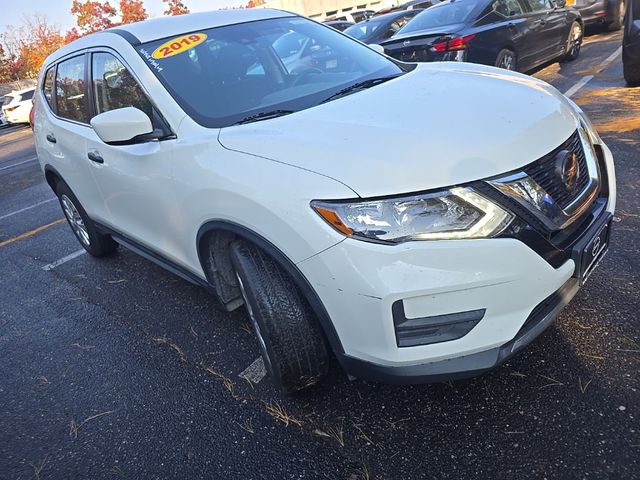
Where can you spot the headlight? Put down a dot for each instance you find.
(457, 213)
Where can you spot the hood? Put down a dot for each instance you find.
(440, 125)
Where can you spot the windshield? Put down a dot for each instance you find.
(448, 13)
(223, 75)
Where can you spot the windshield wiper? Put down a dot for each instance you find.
(264, 116)
(358, 86)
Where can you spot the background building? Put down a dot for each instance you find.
(321, 9)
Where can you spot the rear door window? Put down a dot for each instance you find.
(508, 8)
(539, 5)
(71, 98)
(26, 95)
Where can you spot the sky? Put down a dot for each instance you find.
(57, 11)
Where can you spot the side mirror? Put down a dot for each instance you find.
(376, 47)
(121, 125)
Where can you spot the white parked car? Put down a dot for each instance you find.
(417, 222)
(17, 105)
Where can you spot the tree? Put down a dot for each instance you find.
(93, 15)
(40, 39)
(5, 66)
(71, 35)
(175, 7)
(132, 11)
(255, 3)
(25, 48)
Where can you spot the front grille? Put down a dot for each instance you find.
(544, 172)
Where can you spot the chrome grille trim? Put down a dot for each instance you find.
(550, 204)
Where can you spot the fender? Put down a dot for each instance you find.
(50, 173)
(299, 279)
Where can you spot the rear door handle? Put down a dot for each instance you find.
(51, 138)
(95, 157)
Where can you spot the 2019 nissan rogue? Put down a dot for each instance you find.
(414, 221)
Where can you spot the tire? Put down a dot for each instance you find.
(617, 17)
(291, 341)
(507, 59)
(83, 228)
(574, 42)
(632, 74)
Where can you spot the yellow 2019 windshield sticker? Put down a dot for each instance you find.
(178, 45)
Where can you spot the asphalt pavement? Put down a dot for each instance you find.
(115, 368)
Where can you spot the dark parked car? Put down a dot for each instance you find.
(631, 44)
(353, 17)
(604, 12)
(378, 29)
(411, 5)
(512, 34)
(341, 25)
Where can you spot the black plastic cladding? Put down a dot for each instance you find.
(128, 36)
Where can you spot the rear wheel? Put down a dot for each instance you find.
(618, 17)
(574, 42)
(96, 244)
(290, 339)
(506, 59)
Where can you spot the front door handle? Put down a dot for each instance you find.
(95, 157)
(51, 138)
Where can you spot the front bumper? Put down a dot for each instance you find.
(517, 289)
(476, 363)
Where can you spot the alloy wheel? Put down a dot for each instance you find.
(575, 40)
(507, 62)
(75, 220)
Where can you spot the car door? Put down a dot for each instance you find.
(65, 127)
(135, 179)
(511, 26)
(546, 30)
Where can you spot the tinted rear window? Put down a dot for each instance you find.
(449, 13)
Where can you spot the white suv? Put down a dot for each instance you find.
(17, 106)
(417, 222)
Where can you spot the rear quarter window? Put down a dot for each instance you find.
(47, 85)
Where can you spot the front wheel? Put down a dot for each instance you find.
(291, 341)
(506, 59)
(574, 42)
(96, 244)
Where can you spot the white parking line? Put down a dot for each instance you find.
(57, 263)
(584, 80)
(19, 163)
(27, 208)
(254, 372)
